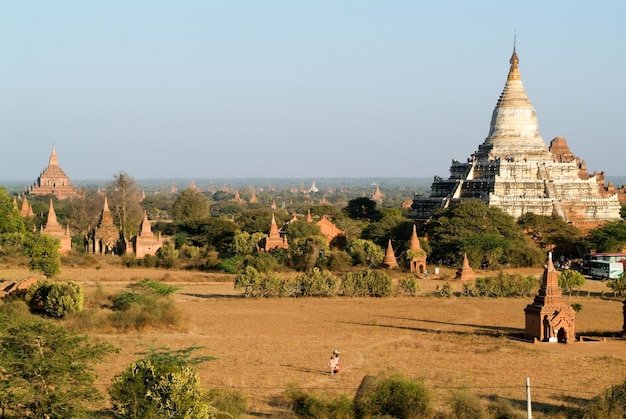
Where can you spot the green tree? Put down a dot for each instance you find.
(163, 384)
(56, 299)
(611, 237)
(392, 225)
(302, 229)
(486, 234)
(191, 205)
(167, 256)
(47, 370)
(569, 279)
(618, 285)
(43, 251)
(124, 202)
(245, 243)
(362, 209)
(308, 252)
(365, 252)
(552, 233)
(394, 397)
(10, 220)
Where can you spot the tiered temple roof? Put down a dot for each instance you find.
(550, 318)
(514, 170)
(53, 180)
(105, 237)
(146, 243)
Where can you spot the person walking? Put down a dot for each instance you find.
(336, 354)
(332, 365)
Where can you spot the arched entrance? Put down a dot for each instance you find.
(562, 335)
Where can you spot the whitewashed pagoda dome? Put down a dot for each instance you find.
(514, 131)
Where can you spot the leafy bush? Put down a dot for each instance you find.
(394, 396)
(230, 404)
(338, 260)
(231, 265)
(365, 252)
(316, 283)
(577, 307)
(502, 285)
(305, 405)
(366, 282)
(618, 285)
(55, 299)
(466, 405)
(409, 285)
(444, 290)
(256, 284)
(569, 279)
(262, 261)
(149, 304)
(163, 384)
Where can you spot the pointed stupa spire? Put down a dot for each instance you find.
(466, 273)
(52, 218)
(54, 160)
(105, 207)
(145, 224)
(273, 233)
(390, 257)
(309, 219)
(414, 244)
(514, 130)
(15, 202)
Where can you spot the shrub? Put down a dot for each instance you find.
(577, 307)
(466, 405)
(339, 260)
(569, 279)
(262, 262)
(256, 284)
(55, 299)
(167, 256)
(230, 404)
(503, 285)
(163, 384)
(393, 396)
(367, 283)
(231, 265)
(365, 252)
(316, 283)
(444, 291)
(149, 304)
(409, 285)
(305, 405)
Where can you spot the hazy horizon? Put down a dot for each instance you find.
(308, 89)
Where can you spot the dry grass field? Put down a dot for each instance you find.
(263, 346)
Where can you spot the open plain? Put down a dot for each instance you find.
(263, 346)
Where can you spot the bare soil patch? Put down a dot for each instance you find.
(264, 345)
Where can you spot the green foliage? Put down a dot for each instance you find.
(392, 225)
(611, 237)
(43, 251)
(365, 283)
(305, 405)
(394, 397)
(191, 205)
(229, 404)
(262, 262)
(338, 260)
(502, 285)
(164, 384)
(569, 279)
(618, 285)
(308, 252)
(577, 307)
(551, 233)
(362, 209)
(256, 284)
(123, 198)
(167, 256)
(409, 285)
(46, 369)
(245, 243)
(302, 229)
(609, 405)
(488, 236)
(149, 304)
(466, 405)
(365, 252)
(56, 299)
(231, 265)
(444, 290)
(10, 220)
(316, 283)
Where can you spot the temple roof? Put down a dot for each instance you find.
(514, 131)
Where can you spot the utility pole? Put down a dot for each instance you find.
(529, 409)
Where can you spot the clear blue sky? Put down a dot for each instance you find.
(308, 89)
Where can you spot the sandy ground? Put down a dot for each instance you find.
(263, 346)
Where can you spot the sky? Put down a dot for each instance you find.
(298, 89)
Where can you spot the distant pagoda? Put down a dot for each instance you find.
(515, 171)
(52, 181)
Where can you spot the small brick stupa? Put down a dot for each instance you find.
(390, 257)
(416, 256)
(54, 229)
(105, 237)
(273, 239)
(146, 243)
(549, 318)
(465, 273)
